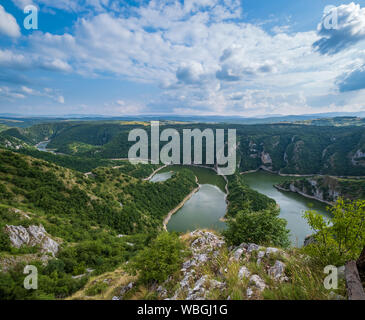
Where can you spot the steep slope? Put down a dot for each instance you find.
(96, 221)
(326, 188)
(214, 271)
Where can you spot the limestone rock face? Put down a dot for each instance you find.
(243, 273)
(265, 158)
(258, 282)
(32, 236)
(195, 283)
(277, 271)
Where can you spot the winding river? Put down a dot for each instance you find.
(292, 205)
(207, 206)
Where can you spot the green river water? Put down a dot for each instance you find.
(205, 208)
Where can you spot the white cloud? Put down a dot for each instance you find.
(121, 107)
(10, 94)
(340, 28)
(190, 73)
(27, 90)
(22, 92)
(201, 58)
(61, 99)
(8, 25)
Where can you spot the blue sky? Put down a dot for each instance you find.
(193, 57)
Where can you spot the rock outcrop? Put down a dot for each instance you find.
(206, 249)
(32, 236)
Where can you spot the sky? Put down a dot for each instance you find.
(183, 57)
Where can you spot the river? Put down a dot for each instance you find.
(207, 206)
(42, 146)
(292, 205)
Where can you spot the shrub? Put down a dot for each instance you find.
(97, 288)
(260, 227)
(340, 238)
(161, 259)
(4, 242)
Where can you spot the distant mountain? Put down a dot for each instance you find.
(191, 118)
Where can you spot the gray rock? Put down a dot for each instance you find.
(260, 255)
(237, 254)
(125, 289)
(184, 283)
(277, 271)
(258, 282)
(249, 292)
(214, 284)
(200, 283)
(206, 241)
(161, 291)
(270, 251)
(201, 258)
(243, 273)
(32, 236)
(18, 235)
(253, 247)
(188, 264)
(115, 298)
(198, 292)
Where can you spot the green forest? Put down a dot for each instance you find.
(103, 213)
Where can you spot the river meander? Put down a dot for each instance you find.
(207, 206)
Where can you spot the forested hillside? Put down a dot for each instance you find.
(284, 148)
(83, 214)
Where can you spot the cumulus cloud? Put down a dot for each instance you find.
(10, 94)
(22, 92)
(8, 25)
(237, 63)
(340, 28)
(122, 107)
(352, 81)
(19, 61)
(199, 53)
(190, 73)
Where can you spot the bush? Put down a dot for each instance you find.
(4, 242)
(97, 288)
(161, 259)
(340, 238)
(260, 227)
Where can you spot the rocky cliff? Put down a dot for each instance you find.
(215, 271)
(32, 236)
(325, 188)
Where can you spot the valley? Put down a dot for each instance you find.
(101, 212)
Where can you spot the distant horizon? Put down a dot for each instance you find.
(359, 114)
